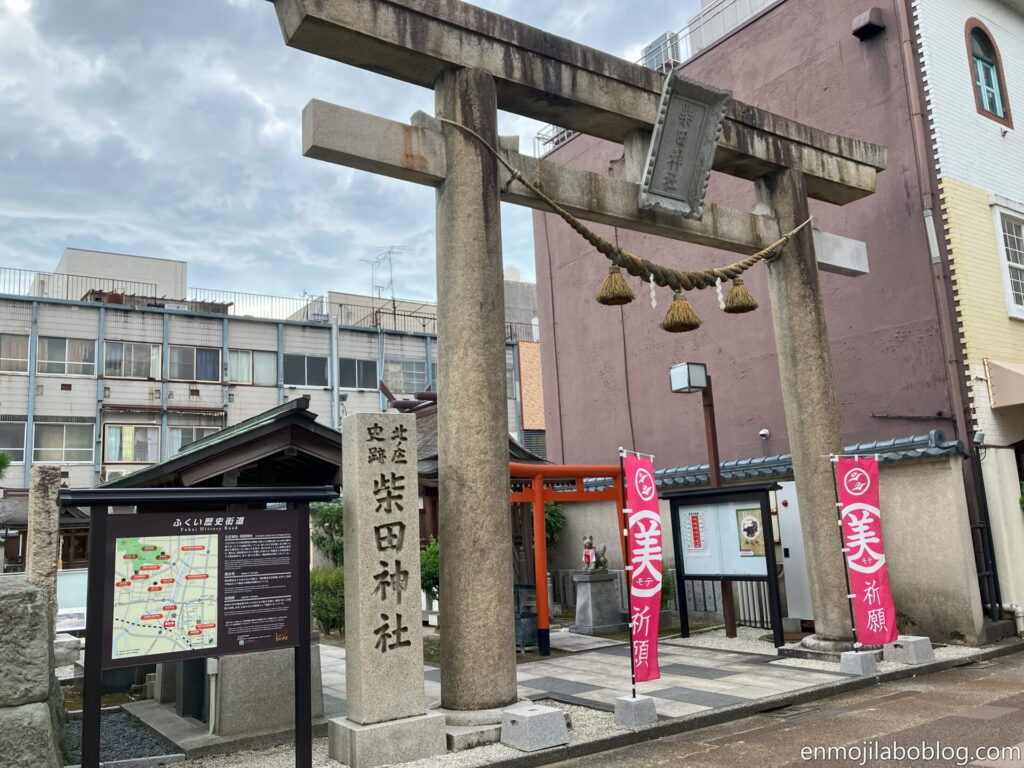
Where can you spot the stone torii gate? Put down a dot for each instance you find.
(478, 62)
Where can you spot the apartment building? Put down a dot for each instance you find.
(112, 362)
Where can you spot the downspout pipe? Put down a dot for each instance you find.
(30, 419)
(165, 387)
(97, 457)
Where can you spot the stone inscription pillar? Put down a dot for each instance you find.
(811, 406)
(43, 549)
(476, 591)
(386, 718)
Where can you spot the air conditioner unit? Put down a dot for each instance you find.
(662, 52)
(114, 475)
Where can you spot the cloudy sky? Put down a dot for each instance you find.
(171, 128)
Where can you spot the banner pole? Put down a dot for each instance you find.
(846, 560)
(627, 567)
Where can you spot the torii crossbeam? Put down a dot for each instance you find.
(477, 62)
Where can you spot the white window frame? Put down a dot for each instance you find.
(403, 361)
(358, 361)
(194, 348)
(64, 444)
(106, 431)
(306, 359)
(159, 359)
(22, 449)
(65, 361)
(248, 352)
(193, 427)
(28, 342)
(1007, 209)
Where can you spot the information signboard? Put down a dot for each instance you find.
(723, 539)
(184, 585)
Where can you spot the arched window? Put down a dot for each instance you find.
(987, 74)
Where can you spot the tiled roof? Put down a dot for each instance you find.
(930, 446)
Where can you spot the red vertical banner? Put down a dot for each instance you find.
(873, 608)
(644, 547)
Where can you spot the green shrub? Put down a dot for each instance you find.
(5, 462)
(554, 521)
(327, 594)
(668, 589)
(326, 530)
(430, 568)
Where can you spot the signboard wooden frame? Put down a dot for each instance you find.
(195, 502)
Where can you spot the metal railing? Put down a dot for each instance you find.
(53, 285)
(709, 25)
(310, 309)
(386, 318)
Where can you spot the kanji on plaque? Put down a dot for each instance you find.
(873, 608)
(645, 558)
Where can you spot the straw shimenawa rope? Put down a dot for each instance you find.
(677, 280)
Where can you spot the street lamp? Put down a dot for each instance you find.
(693, 377)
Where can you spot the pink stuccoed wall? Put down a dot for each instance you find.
(606, 368)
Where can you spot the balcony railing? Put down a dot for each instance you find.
(52, 285)
(309, 309)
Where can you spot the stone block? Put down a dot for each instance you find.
(462, 737)
(395, 741)
(267, 677)
(854, 663)
(633, 712)
(27, 739)
(529, 727)
(164, 691)
(66, 650)
(909, 649)
(25, 637)
(597, 604)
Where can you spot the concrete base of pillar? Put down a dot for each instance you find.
(388, 743)
(461, 737)
(529, 727)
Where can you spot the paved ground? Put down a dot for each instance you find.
(693, 679)
(964, 709)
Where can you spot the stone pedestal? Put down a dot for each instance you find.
(909, 649)
(387, 743)
(854, 663)
(635, 711)
(529, 727)
(387, 720)
(597, 604)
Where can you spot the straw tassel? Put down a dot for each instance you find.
(739, 299)
(681, 316)
(615, 290)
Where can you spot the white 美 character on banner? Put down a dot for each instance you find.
(863, 534)
(646, 551)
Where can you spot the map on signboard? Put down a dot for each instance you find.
(165, 595)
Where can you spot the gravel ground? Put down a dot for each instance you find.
(587, 724)
(122, 738)
(747, 640)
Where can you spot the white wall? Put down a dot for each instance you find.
(170, 277)
(969, 146)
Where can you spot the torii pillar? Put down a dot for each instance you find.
(478, 667)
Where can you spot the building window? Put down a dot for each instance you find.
(305, 371)
(195, 363)
(252, 367)
(70, 357)
(1013, 259)
(184, 436)
(63, 443)
(13, 353)
(131, 361)
(406, 376)
(129, 443)
(987, 74)
(357, 374)
(12, 439)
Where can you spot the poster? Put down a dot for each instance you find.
(696, 542)
(861, 517)
(188, 585)
(750, 532)
(644, 543)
